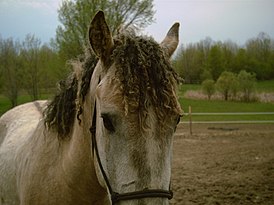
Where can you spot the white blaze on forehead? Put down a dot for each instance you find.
(158, 161)
(158, 153)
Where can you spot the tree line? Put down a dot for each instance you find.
(33, 67)
(207, 59)
(225, 67)
(28, 66)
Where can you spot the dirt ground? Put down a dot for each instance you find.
(223, 164)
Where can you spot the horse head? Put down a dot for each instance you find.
(135, 113)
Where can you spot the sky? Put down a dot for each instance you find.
(221, 20)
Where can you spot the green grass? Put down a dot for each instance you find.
(205, 106)
(261, 86)
(4, 104)
(225, 106)
(265, 86)
(185, 87)
(218, 106)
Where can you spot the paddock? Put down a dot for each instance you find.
(223, 164)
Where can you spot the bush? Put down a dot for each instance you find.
(227, 84)
(247, 82)
(208, 88)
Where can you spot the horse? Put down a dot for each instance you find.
(106, 137)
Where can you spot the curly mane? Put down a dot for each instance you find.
(144, 72)
(60, 112)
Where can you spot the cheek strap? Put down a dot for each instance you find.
(116, 197)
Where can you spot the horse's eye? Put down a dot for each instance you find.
(179, 119)
(108, 124)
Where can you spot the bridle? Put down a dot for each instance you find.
(116, 197)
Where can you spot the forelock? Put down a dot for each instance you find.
(145, 73)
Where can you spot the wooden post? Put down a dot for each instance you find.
(190, 120)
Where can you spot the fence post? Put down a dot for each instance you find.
(190, 120)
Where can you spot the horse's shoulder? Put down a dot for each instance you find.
(20, 119)
(16, 125)
(24, 110)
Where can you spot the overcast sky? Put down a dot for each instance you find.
(236, 20)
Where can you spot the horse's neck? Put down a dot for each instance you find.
(78, 162)
(65, 165)
(77, 152)
(78, 148)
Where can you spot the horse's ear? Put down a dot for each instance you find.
(100, 37)
(170, 43)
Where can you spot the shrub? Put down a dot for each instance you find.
(208, 88)
(247, 82)
(227, 84)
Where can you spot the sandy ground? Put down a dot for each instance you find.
(223, 164)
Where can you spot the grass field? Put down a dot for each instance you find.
(265, 86)
(220, 106)
(202, 106)
(262, 86)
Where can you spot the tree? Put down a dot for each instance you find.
(206, 75)
(189, 63)
(229, 50)
(240, 61)
(9, 69)
(51, 68)
(247, 83)
(75, 17)
(178, 61)
(208, 87)
(215, 62)
(260, 55)
(32, 72)
(207, 59)
(225, 84)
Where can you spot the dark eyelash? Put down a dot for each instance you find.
(179, 119)
(108, 123)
